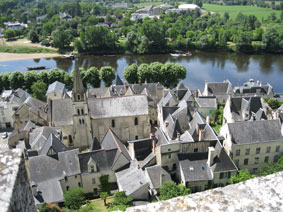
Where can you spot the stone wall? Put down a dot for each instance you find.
(15, 191)
(259, 194)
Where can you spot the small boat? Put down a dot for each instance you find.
(31, 68)
(69, 56)
(187, 54)
(174, 55)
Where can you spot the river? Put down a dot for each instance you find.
(238, 68)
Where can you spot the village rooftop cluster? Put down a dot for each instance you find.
(140, 135)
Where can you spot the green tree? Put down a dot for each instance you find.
(107, 74)
(38, 90)
(120, 202)
(144, 73)
(104, 185)
(33, 36)
(170, 189)
(171, 73)
(16, 80)
(93, 78)
(242, 175)
(48, 207)
(104, 195)
(131, 73)
(89, 207)
(61, 39)
(48, 28)
(273, 103)
(9, 34)
(29, 78)
(55, 75)
(43, 76)
(6, 80)
(74, 198)
(155, 69)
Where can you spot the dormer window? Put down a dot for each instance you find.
(92, 168)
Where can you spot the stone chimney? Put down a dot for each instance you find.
(207, 120)
(211, 156)
(18, 122)
(197, 128)
(153, 141)
(201, 135)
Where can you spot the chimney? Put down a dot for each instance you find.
(201, 135)
(211, 155)
(34, 189)
(18, 122)
(207, 120)
(179, 136)
(153, 141)
(197, 128)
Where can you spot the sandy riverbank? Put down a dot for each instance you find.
(13, 56)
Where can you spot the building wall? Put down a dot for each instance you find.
(206, 111)
(192, 146)
(169, 155)
(224, 181)
(55, 95)
(6, 113)
(141, 193)
(125, 127)
(71, 182)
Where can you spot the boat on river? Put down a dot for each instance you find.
(187, 54)
(69, 56)
(32, 68)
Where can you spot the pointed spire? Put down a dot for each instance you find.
(117, 80)
(78, 91)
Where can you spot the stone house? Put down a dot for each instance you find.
(10, 101)
(205, 105)
(56, 90)
(253, 144)
(221, 90)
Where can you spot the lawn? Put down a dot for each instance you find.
(99, 204)
(247, 10)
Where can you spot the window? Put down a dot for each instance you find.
(70, 141)
(67, 188)
(65, 137)
(137, 137)
(266, 159)
(221, 176)
(277, 149)
(82, 111)
(169, 156)
(92, 168)
(80, 121)
(79, 97)
(79, 113)
(237, 162)
(79, 184)
(113, 123)
(174, 166)
(238, 152)
(76, 176)
(66, 178)
(276, 157)
(254, 170)
(93, 181)
(195, 149)
(247, 151)
(268, 149)
(258, 150)
(136, 121)
(246, 161)
(95, 191)
(256, 160)
(83, 121)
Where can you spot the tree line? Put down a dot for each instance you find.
(36, 83)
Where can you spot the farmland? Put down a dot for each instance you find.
(247, 10)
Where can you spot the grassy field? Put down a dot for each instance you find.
(24, 46)
(99, 204)
(247, 10)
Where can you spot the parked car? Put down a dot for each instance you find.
(4, 135)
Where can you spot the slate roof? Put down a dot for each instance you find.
(57, 87)
(218, 88)
(62, 112)
(252, 87)
(112, 141)
(118, 106)
(95, 145)
(173, 127)
(54, 143)
(155, 173)
(103, 159)
(131, 179)
(255, 131)
(207, 102)
(98, 93)
(209, 133)
(165, 101)
(194, 166)
(117, 80)
(44, 168)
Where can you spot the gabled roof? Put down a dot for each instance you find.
(62, 112)
(181, 86)
(219, 88)
(207, 102)
(57, 87)
(112, 141)
(157, 175)
(249, 132)
(52, 143)
(173, 127)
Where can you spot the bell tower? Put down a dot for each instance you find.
(81, 119)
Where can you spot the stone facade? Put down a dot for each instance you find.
(15, 191)
(258, 194)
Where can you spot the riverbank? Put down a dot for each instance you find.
(14, 56)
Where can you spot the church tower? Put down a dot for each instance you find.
(81, 119)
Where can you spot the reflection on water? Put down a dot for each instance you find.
(238, 68)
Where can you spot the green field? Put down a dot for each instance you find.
(247, 10)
